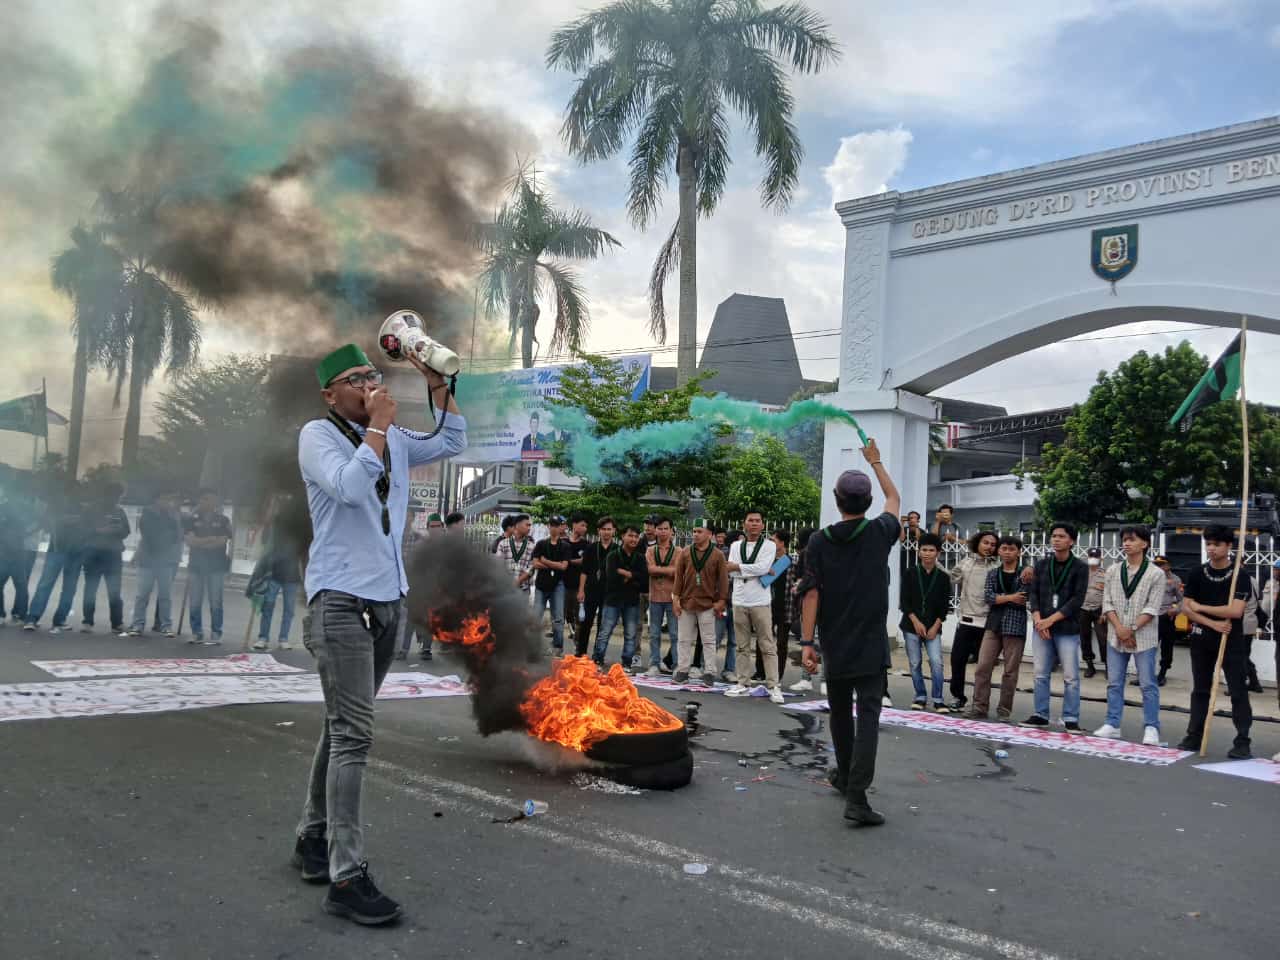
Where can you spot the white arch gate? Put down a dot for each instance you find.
(944, 281)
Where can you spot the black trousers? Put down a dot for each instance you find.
(856, 744)
(1168, 636)
(967, 641)
(1204, 657)
(1093, 627)
(592, 618)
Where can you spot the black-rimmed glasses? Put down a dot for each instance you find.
(358, 380)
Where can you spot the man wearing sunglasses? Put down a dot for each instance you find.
(355, 465)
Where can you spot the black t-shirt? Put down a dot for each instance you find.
(593, 565)
(209, 559)
(548, 580)
(851, 574)
(1209, 586)
(619, 591)
(577, 551)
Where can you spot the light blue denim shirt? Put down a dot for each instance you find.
(349, 551)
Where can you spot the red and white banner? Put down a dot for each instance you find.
(236, 663)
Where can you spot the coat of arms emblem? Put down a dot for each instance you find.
(1115, 252)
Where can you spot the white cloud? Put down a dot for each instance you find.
(866, 162)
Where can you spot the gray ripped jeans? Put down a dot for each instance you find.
(352, 660)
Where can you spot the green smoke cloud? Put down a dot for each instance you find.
(601, 459)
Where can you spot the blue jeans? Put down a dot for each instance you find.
(14, 566)
(916, 646)
(161, 578)
(202, 582)
(1064, 648)
(103, 565)
(724, 627)
(273, 589)
(64, 564)
(656, 612)
(556, 599)
(609, 617)
(1117, 666)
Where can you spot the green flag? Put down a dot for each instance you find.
(25, 415)
(1220, 382)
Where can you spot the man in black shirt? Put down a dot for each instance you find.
(578, 545)
(591, 581)
(108, 528)
(925, 601)
(64, 558)
(846, 595)
(1214, 610)
(551, 561)
(626, 580)
(1057, 592)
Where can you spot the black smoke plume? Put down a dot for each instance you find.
(450, 579)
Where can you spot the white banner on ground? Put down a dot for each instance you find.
(1268, 771)
(1017, 736)
(129, 695)
(694, 686)
(521, 429)
(130, 667)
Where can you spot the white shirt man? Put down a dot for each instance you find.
(749, 560)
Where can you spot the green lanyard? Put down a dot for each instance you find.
(826, 532)
(524, 545)
(925, 591)
(755, 553)
(699, 564)
(671, 552)
(1124, 578)
(1057, 579)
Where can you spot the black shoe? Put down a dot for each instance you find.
(359, 899)
(1134, 682)
(1239, 752)
(1160, 679)
(1089, 669)
(859, 812)
(1189, 743)
(1255, 687)
(757, 678)
(311, 857)
(1035, 721)
(840, 783)
(1071, 726)
(425, 655)
(680, 676)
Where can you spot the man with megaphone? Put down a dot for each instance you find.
(355, 465)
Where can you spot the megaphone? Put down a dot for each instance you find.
(402, 336)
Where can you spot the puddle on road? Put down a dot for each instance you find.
(801, 749)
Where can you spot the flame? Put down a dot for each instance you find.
(475, 635)
(576, 706)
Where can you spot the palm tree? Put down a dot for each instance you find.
(157, 320)
(668, 72)
(89, 272)
(523, 252)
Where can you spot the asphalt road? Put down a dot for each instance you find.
(169, 836)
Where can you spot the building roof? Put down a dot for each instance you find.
(751, 350)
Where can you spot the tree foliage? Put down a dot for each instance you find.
(525, 249)
(765, 476)
(1122, 460)
(663, 75)
(601, 388)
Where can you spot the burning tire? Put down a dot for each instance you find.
(667, 775)
(641, 749)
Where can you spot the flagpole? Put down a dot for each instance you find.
(1244, 522)
(45, 393)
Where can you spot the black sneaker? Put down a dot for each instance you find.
(708, 679)
(1189, 743)
(1089, 669)
(359, 899)
(1160, 678)
(680, 676)
(858, 811)
(311, 858)
(1071, 726)
(1255, 686)
(1239, 752)
(1035, 720)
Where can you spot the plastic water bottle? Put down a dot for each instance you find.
(582, 613)
(1002, 754)
(534, 807)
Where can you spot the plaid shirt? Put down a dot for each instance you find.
(517, 567)
(1013, 616)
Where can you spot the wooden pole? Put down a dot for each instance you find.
(1244, 522)
(248, 630)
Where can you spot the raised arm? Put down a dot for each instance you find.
(892, 500)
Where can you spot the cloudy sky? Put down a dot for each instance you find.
(927, 91)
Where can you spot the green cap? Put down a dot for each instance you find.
(434, 518)
(344, 358)
(699, 522)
